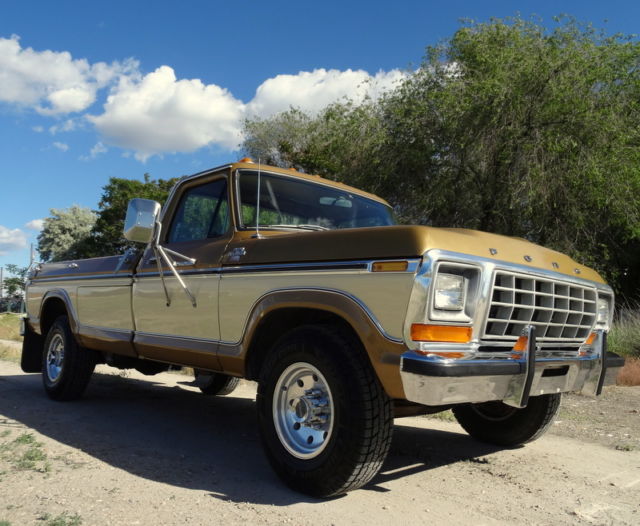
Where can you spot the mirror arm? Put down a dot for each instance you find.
(167, 260)
(161, 252)
(187, 260)
(161, 272)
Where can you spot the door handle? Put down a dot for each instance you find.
(153, 260)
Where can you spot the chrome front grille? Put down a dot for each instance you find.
(563, 313)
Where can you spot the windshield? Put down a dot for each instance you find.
(286, 202)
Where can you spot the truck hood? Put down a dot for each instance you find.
(398, 242)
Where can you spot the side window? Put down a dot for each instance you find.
(203, 212)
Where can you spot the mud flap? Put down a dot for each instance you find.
(31, 360)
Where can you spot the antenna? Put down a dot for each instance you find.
(257, 234)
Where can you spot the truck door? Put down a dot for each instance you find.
(169, 328)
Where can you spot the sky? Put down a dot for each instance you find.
(92, 90)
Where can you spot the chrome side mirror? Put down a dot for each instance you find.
(142, 225)
(140, 222)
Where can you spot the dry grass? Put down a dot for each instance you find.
(630, 373)
(624, 337)
(10, 326)
(10, 353)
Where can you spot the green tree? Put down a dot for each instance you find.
(65, 234)
(508, 127)
(281, 139)
(14, 284)
(525, 132)
(106, 235)
(341, 143)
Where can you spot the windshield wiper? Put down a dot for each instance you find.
(301, 227)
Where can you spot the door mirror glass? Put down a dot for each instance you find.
(140, 223)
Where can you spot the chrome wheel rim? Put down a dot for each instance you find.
(55, 358)
(303, 410)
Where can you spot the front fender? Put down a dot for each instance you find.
(383, 351)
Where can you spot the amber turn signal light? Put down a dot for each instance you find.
(421, 332)
(390, 266)
(589, 341)
(521, 344)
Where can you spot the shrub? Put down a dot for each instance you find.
(624, 337)
(630, 373)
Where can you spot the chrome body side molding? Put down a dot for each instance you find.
(367, 265)
(94, 277)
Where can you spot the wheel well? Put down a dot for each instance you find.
(52, 308)
(281, 321)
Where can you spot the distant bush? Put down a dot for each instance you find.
(624, 337)
(11, 304)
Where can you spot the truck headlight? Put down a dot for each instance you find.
(453, 292)
(450, 292)
(603, 312)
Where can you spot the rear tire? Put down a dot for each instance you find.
(216, 384)
(66, 367)
(325, 421)
(503, 425)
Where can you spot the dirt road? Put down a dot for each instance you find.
(156, 452)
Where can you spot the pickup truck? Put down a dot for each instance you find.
(343, 317)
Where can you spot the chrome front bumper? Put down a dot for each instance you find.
(432, 380)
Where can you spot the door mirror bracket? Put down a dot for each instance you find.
(142, 225)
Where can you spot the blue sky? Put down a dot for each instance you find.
(93, 90)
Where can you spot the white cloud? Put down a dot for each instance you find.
(158, 114)
(63, 147)
(66, 126)
(11, 240)
(35, 224)
(313, 90)
(38, 129)
(52, 82)
(97, 149)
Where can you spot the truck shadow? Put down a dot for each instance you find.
(181, 438)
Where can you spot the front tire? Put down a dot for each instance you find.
(66, 367)
(503, 425)
(325, 421)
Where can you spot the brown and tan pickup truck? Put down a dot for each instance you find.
(344, 318)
